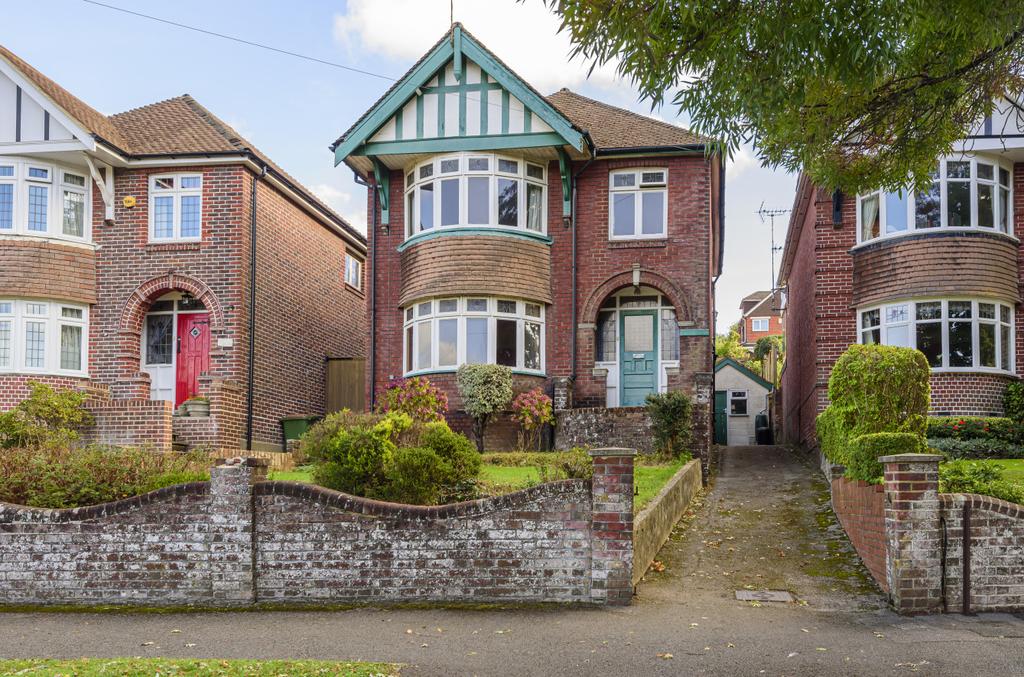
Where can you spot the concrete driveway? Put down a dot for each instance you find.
(765, 524)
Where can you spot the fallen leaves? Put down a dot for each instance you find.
(665, 656)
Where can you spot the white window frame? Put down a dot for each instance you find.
(767, 324)
(52, 320)
(418, 319)
(412, 216)
(353, 271)
(638, 188)
(911, 206)
(55, 185)
(176, 193)
(911, 323)
(745, 398)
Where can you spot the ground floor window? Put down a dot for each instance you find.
(737, 402)
(44, 337)
(442, 334)
(952, 333)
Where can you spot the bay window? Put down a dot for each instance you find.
(175, 207)
(41, 199)
(964, 192)
(471, 189)
(442, 334)
(953, 334)
(46, 337)
(638, 204)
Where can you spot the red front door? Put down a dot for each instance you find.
(193, 354)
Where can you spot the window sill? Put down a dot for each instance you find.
(190, 245)
(931, 232)
(429, 372)
(355, 290)
(44, 374)
(976, 371)
(653, 243)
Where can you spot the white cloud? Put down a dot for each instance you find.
(742, 160)
(352, 208)
(523, 34)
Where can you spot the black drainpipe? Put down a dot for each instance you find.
(252, 310)
(372, 232)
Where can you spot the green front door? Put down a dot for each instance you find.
(638, 357)
(721, 417)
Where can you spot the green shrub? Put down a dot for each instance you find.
(575, 464)
(1013, 401)
(486, 389)
(518, 459)
(417, 396)
(356, 459)
(864, 452)
(415, 476)
(313, 444)
(671, 422)
(48, 417)
(873, 389)
(455, 450)
(975, 448)
(975, 428)
(70, 477)
(977, 477)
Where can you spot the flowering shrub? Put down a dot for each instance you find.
(531, 410)
(417, 397)
(975, 428)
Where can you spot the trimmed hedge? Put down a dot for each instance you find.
(1013, 401)
(864, 452)
(975, 449)
(874, 389)
(977, 477)
(975, 428)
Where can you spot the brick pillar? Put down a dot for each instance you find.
(562, 393)
(703, 392)
(612, 526)
(232, 553)
(913, 532)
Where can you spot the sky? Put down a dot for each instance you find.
(292, 108)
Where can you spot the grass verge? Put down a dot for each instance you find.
(165, 667)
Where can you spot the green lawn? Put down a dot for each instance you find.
(1013, 469)
(109, 667)
(502, 479)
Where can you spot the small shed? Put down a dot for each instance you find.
(740, 395)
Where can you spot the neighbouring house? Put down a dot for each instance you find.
(568, 239)
(154, 256)
(938, 270)
(740, 395)
(760, 316)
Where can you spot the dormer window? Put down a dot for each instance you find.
(475, 190)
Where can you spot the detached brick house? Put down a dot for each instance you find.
(760, 316)
(570, 240)
(156, 255)
(938, 270)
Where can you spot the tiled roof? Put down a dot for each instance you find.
(756, 296)
(176, 126)
(613, 127)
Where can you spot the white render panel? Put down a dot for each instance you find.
(429, 116)
(59, 132)
(494, 112)
(473, 114)
(386, 133)
(472, 72)
(539, 125)
(8, 93)
(516, 115)
(31, 119)
(451, 114)
(409, 120)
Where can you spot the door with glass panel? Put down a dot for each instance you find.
(638, 357)
(175, 348)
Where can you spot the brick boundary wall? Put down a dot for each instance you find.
(622, 426)
(653, 525)
(238, 540)
(860, 507)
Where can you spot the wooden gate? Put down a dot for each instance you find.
(346, 378)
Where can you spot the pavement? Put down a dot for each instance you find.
(765, 524)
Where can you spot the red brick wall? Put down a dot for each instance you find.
(860, 508)
(968, 394)
(748, 335)
(14, 387)
(680, 266)
(40, 269)
(305, 312)
(142, 423)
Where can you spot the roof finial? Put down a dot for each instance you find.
(451, 11)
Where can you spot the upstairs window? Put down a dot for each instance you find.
(964, 192)
(175, 207)
(353, 271)
(475, 190)
(638, 204)
(759, 324)
(45, 200)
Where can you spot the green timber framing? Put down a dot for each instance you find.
(495, 78)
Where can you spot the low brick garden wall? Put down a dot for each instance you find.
(655, 522)
(628, 427)
(239, 540)
(860, 507)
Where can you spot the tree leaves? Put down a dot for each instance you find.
(858, 93)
